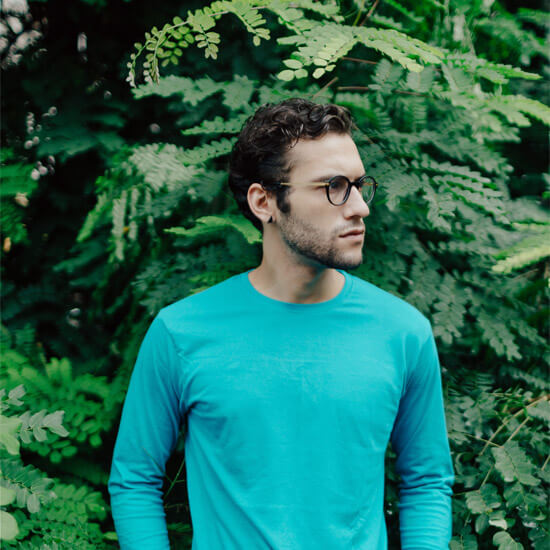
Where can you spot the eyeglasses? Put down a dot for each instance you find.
(338, 188)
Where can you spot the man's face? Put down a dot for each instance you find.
(314, 228)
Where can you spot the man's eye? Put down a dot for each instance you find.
(338, 183)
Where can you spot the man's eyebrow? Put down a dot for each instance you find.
(325, 178)
(329, 176)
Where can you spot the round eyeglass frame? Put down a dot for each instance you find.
(357, 183)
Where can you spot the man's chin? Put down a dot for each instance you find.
(343, 263)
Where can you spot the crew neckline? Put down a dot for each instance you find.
(348, 282)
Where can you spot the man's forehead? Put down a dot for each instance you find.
(326, 155)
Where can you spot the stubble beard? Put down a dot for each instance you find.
(307, 241)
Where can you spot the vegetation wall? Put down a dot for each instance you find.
(117, 121)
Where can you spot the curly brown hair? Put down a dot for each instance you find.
(259, 155)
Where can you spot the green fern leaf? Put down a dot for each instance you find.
(512, 107)
(495, 72)
(484, 500)
(541, 411)
(32, 487)
(211, 226)
(496, 334)
(464, 541)
(118, 213)
(16, 178)
(160, 165)
(202, 153)
(505, 542)
(538, 17)
(9, 426)
(93, 217)
(237, 93)
(513, 464)
(529, 250)
(218, 125)
(192, 91)
(388, 22)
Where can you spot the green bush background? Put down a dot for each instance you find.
(117, 123)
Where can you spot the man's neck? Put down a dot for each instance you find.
(300, 284)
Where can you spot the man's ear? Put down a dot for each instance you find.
(261, 202)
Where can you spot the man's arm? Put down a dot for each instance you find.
(419, 438)
(147, 435)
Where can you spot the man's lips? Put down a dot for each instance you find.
(353, 232)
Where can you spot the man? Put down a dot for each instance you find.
(292, 377)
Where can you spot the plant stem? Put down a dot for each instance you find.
(370, 12)
(325, 87)
(364, 88)
(518, 429)
(359, 12)
(175, 479)
(357, 60)
(532, 402)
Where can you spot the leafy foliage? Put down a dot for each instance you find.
(85, 401)
(17, 183)
(447, 101)
(56, 511)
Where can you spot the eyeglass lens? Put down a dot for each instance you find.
(338, 189)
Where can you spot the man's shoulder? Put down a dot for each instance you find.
(390, 308)
(203, 300)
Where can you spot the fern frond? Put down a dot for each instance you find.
(531, 380)
(168, 43)
(513, 107)
(538, 17)
(506, 29)
(32, 488)
(421, 82)
(251, 19)
(213, 225)
(387, 22)
(93, 217)
(411, 16)
(449, 310)
(237, 93)
(529, 250)
(202, 153)
(386, 76)
(399, 47)
(16, 184)
(461, 148)
(192, 91)
(218, 125)
(118, 215)
(496, 333)
(160, 165)
(330, 10)
(11, 223)
(16, 178)
(495, 72)
(320, 46)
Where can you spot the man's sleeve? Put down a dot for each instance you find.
(148, 432)
(420, 440)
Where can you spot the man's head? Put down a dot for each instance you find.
(261, 152)
(300, 141)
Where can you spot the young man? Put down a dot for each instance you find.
(292, 377)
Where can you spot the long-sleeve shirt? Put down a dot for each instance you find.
(289, 410)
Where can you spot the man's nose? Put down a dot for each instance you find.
(356, 205)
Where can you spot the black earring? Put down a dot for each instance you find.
(270, 219)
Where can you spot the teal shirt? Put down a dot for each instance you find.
(289, 410)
